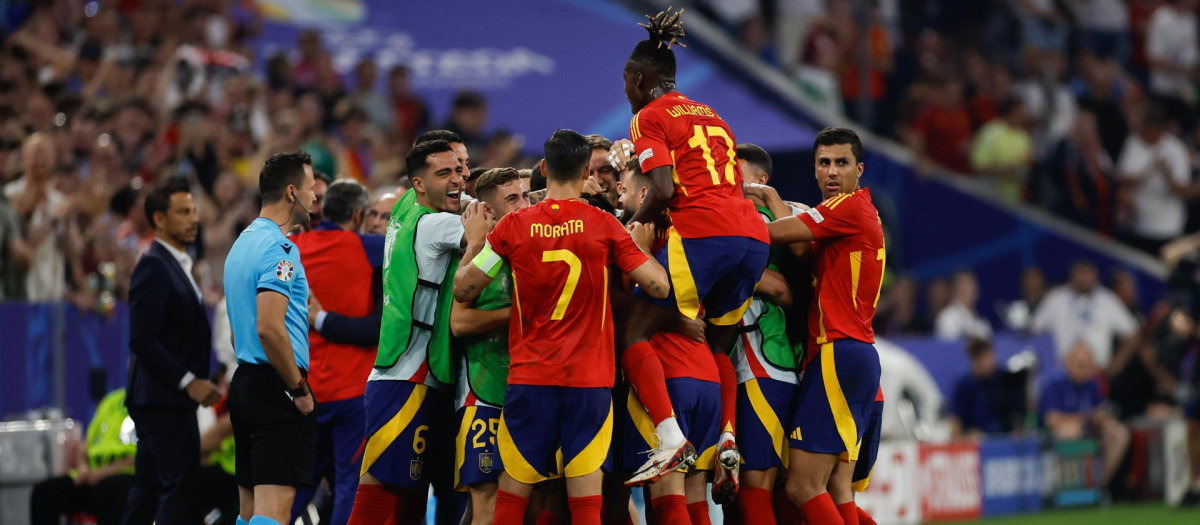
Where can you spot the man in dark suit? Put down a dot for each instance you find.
(170, 343)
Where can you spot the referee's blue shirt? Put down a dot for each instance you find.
(262, 259)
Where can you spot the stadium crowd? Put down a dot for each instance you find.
(1084, 108)
(100, 108)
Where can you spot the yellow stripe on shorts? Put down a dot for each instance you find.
(842, 417)
(686, 297)
(767, 416)
(515, 464)
(383, 438)
(460, 444)
(592, 457)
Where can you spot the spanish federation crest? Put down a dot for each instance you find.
(414, 469)
(284, 270)
(485, 462)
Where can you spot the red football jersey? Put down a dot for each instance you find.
(683, 357)
(688, 135)
(847, 269)
(561, 330)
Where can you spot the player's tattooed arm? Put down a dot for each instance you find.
(651, 277)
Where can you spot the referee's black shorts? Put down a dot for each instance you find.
(275, 443)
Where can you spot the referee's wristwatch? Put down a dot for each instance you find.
(301, 390)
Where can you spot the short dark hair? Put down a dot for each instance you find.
(439, 134)
(567, 155)
(418, 157)
(159, 199)
(468, 100)
(835, 135)
(757, 156)
(343, 199)
(976, 348)
(280, 170)
(492, 179)
(475, 173)
(598, 142)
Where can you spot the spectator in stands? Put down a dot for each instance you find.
(960, 319)
(1155, 173)
(898, 314)
(1002, 150)
(365, 96)
(411, 115)
(15, 255)
(941, 131)
(379, 213)
(863, 106)
(1072, 406)
(937, 296)
(990, 85)
(1043, 27)
(1103, 26)
(44, 209)
(1077, 180)
(1082, 310)
(1173, 51)
(981, 401)
(103, 471)
(467, 117)
(1044, 91)
(1019, 314)
(1102, 88)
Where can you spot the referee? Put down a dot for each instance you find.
(266, 292)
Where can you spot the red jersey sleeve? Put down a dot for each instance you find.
(649, 135)
(625, 253)
(836, 217)
(500, 237)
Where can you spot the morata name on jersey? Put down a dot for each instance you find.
(681, 110)
(556, 230)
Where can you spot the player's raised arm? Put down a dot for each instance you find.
(649, 275)
(480, 264)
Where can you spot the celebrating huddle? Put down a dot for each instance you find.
(523, 312)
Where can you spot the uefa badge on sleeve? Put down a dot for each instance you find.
(284, 270)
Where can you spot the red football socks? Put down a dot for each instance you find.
(671, 510)
(821, 511)
(863, 517)
(374, 504)
(698, 512)
(729, 385)
(585, 510)
(849, 513)
(756, 505)
(547, 518)
(648, 379)
(785, 512)
(510, 509)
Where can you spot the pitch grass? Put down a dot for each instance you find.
(1134, 514)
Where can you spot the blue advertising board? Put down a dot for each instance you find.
(1011, 470)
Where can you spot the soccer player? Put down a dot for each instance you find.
(343, 270)
(414, 363)
(693, 383)
(841, 380)
(718, 245)
(270, 403)
(483, 376)
(600, 169)
(766, 371)
(558, 406)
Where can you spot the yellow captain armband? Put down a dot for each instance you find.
(488, 261)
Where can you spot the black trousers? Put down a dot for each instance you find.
(166, 484)
(60, 496)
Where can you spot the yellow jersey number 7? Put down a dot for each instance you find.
(568, 290)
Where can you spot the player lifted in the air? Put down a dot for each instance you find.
(558, 406)
(717, 244)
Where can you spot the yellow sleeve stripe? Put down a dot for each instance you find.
(835, 201)
(635, 129)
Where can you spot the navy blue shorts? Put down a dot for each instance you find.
(837, 395)
(869, 451)
(763, 404)
(719, 273)
(399, 416)
(476, 453)
(697, 407)
(551, 431)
